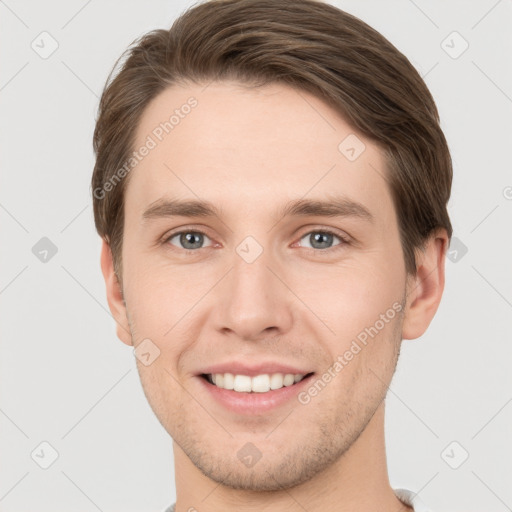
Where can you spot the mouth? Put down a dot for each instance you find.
(252, 390)
(264, 383)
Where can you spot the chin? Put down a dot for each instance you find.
(273, 471)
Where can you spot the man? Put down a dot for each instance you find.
(271, 186)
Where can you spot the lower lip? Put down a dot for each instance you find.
(254, 403)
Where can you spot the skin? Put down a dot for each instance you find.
(250, 151)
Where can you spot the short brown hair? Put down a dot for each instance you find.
(309, 45)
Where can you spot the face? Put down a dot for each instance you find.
(299, 262)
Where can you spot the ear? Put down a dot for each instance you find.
(425, 288)
(115, 295)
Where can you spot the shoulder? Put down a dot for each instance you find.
(409, 498)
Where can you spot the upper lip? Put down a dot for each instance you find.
(239, 368)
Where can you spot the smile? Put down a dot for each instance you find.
(258, 384)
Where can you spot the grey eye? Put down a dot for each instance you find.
(189, 240)
(320, 239)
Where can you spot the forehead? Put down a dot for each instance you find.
(249, 147)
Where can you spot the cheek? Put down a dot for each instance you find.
(364, 311)
(152, 289)
(349, 298)
(164, 302)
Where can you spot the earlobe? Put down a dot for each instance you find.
(114, 295)
(425, 289)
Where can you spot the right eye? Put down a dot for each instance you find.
(189, 240)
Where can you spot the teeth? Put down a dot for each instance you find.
(259, 384)
(242, 383)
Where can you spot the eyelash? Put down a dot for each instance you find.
(344, 240)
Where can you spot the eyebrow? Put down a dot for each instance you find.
(331, 207)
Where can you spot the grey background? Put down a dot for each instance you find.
(67, 380)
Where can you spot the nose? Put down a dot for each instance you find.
(254, 302)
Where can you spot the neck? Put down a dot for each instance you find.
(358, 480)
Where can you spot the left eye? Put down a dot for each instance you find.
(189, 239)
(321, 239)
